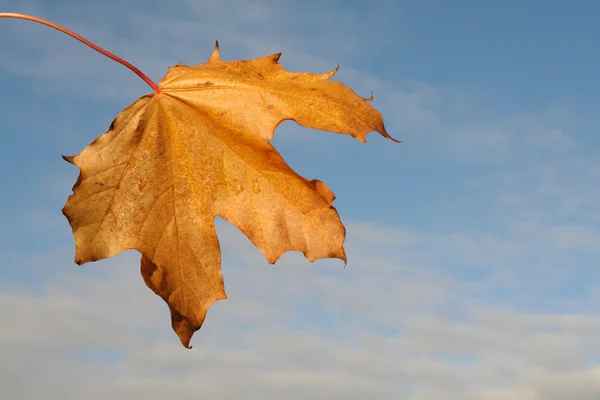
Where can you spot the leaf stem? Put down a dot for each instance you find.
(84, 41)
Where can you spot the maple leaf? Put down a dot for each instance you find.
(199, 147)
(172, 162)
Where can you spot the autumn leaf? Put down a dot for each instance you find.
(197, 148)
(172, 162)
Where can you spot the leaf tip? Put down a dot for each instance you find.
(216, 54)
(343, 257)
(69, 159)
(386, 135)
(332, 72)
(183, 327)
(82, 258)
(275, 57)
(361, 138)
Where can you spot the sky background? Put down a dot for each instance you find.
(473, 247)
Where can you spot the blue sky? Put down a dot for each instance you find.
(473, 247)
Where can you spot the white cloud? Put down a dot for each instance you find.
(377, 328)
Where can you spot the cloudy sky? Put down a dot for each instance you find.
(473, 247)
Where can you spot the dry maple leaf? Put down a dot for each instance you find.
(199, 148)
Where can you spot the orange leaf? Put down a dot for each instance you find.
(172, 161)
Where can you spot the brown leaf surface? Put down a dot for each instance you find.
(172, 162)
